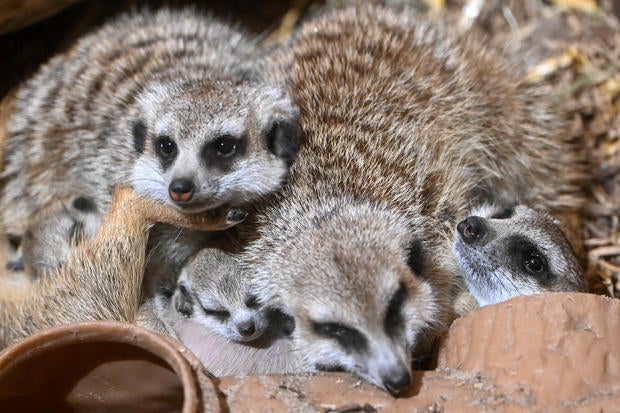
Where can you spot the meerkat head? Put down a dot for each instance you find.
(204, 144)
(353, 278)
(517, 251)
(213, 291)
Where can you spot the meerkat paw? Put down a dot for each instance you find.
(124, 198)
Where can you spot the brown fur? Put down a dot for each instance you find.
(103, 276)
(407, 125)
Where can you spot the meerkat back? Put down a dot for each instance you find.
(170, 102)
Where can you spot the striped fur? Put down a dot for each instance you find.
(407, 125)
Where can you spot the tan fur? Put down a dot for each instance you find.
(97, 115)
(103, 276)
(407, 125)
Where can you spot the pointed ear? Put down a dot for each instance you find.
(182, 299)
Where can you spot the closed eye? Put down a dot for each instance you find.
(394, 321)
(349, 338)
(223, 314)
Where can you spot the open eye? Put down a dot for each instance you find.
(225, 145)
(165, 146)
(348, 337)
(534, 263)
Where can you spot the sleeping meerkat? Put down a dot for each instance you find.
(211, 311)
(519, 251)
(406, 124)
(214, 292)
(171, 102)
(102, 276)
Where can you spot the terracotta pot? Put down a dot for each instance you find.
(103, 366)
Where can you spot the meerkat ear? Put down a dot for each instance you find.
(278, 121)
(284, 139)
(416, 258)
(182, 299)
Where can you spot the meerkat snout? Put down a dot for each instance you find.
(519, 251)
(397, 380)
(181, 190)
(472, 230)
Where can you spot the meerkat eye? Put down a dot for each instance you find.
(534, 263)
(394, 320)
(222, 314)
(225, 145)
(349, 338)
(165, 146)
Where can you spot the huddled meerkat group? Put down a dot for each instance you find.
(376, 167)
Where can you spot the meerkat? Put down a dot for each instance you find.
(507, 252)
(170, 102)
(102, 277)
(212, 312)
(405, 125)
(214, 292)
(55, 230)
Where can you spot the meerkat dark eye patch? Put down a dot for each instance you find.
(415, 258)
(394, 321)
(349, 338)
(166, 150)
(504, 213)
(84, 204)
(251, 301)
(284, 139)
(222, 152)
(221, 314)
(529, 260)
(139, 136)
(183, 301)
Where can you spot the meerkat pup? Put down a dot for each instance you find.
(214, 292)
(505, 253)
(212, 311)
(172, 103)
(55, 230)
(102, 277)
(406, 124)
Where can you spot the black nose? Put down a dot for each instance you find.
(247, 328)
(397, 381)
(181, 190)
(471, 229)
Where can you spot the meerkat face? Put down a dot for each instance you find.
(202, 145)
(519, 251)
(213, 292)
(357, 293)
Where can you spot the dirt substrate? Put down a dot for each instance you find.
(556, 352)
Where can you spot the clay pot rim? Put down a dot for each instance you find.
(106, 331)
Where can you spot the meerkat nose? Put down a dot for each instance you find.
(181, 190)
(471, 229)
(397, 381)
(246, 328)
